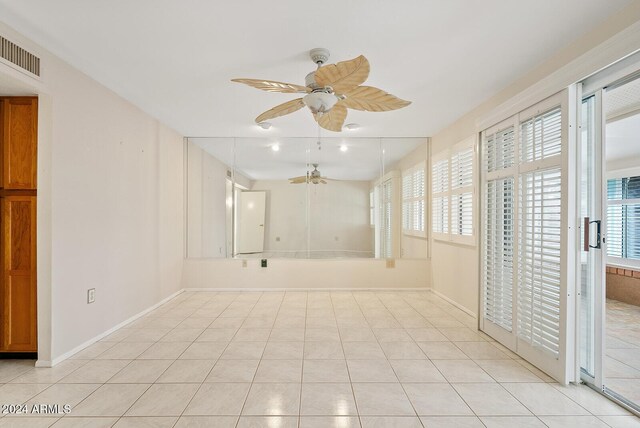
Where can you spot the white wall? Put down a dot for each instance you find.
(455, 271)
(338, 218)
(206, 204)
(110, 205)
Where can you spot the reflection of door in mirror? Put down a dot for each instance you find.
(229, 217)
(250, 230)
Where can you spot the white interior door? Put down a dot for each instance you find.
(250, 229)
(527, 268)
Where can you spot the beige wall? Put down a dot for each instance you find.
(291, 273)
(110, 205)
(455, 272)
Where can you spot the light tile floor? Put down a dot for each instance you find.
(301, 359)
(622, 357)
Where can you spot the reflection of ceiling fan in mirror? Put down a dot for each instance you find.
(313, 177)
(331, 89)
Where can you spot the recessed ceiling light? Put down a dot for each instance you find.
(351, 126)
(275, 147)
(343, 148)
(265, 125)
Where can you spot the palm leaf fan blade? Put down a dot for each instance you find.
(368, 98)
(344, 75)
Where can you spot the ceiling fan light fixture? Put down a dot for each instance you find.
(265, 125)
(320, 102)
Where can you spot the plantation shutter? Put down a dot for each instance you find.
(387, 245)
(418, 199)
(413, 203)
(407, 206)
(526, 276)
(540, 232)
(499, 252)
(539, 268)
(462, 163)
(498, 223)
(440, 198)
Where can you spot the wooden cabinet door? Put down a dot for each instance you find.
(19, 126)
(18, 239)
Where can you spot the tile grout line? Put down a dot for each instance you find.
(214, 364)
(260, 359)
(304, 341)
(333, 309)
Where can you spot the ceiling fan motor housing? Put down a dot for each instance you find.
(319, 55)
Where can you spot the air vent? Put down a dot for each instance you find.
(20, 57)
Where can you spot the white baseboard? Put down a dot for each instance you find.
(454, 303)
(313, 289)
(57, 360)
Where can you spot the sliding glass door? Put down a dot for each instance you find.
(608, 260)
(590, 266)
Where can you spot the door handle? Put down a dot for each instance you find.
(587, 234)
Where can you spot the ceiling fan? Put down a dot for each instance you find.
(331, 89)
(313, 177)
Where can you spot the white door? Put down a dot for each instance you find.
(527, 224)
(251, 208)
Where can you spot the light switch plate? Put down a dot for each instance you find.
(91, 295)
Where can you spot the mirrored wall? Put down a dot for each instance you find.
(327, 198)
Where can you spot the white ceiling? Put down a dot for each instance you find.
(623, 141)
(622, 100)
(174, 59)
(364, 158)
(622, 108)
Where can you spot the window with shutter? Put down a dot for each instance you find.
(386, 225)
(623, 221)
(453, 193)
(413, 196)
(462, 163)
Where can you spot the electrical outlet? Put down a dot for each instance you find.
(244, 263)
(91, 295)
